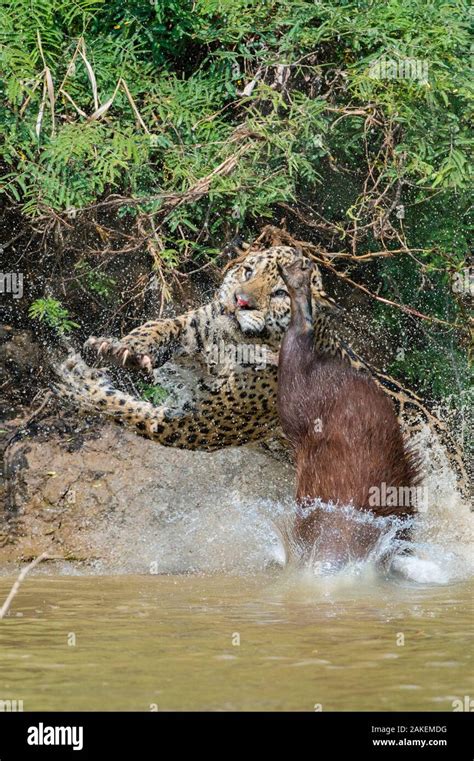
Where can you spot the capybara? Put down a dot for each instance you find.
(347, 442)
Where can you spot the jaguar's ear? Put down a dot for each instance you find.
(327, 304)
(235, 248)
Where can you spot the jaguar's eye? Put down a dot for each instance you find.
(248, 271)
(280, 293)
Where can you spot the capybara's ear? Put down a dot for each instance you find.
(306, 264)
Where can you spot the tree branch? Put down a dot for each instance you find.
(17, 584)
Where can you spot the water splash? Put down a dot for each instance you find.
(238, 534)
(246, 537)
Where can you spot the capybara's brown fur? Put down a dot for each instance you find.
(344, 432)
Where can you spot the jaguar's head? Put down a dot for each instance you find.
(254, 295)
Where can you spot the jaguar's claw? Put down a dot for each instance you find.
(146, 363)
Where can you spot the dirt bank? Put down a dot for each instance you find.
(103, 496)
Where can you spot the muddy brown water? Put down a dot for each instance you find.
(269, 641)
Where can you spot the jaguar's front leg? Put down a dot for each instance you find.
(146, 347)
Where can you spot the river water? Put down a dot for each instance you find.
(280, 640)
(209, 612)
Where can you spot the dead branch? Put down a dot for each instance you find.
(18, 581)
(277, 236)
(402, 307)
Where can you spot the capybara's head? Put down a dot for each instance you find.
(254, 295)
(296, 275)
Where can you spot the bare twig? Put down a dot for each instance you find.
(36, 84)
(74, 104)
(134, 106)
(401, 307)
(17, 432)
(48, 86)
(72, 62)
(91, 75)
(277, 236)
(18, 581)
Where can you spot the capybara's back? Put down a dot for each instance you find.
(343, 429)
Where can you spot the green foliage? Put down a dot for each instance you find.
(429, 355)
(51, 312)
(434, 379)
(98, 282)
(335, 104)
(154, 394)
(185, 64)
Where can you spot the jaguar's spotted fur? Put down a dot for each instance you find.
(228, 402)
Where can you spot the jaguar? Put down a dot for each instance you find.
(218, 364)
